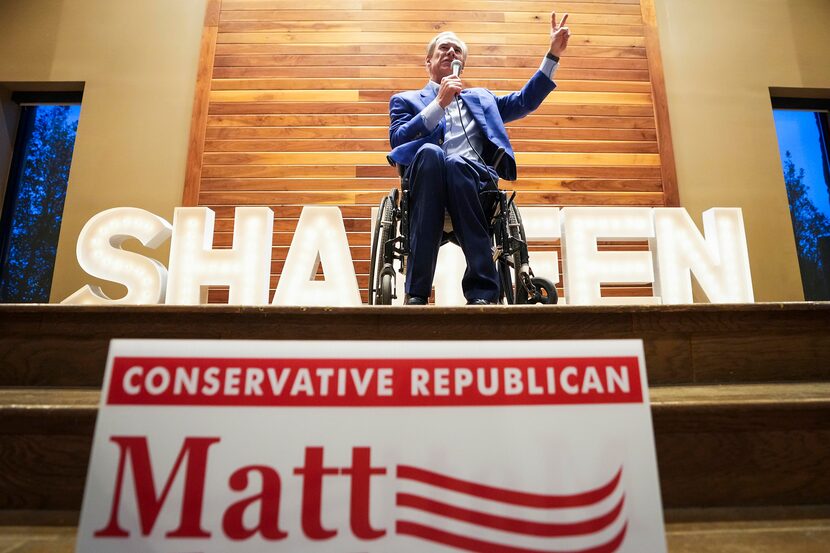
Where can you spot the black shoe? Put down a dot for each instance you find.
(416, 300)
(479, 301)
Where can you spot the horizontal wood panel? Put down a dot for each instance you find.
(382, 108)
(228, 133)
(293, 211)
(312, 184)
(362, 171)
(372, 198)
(384, 95)
(416, 51)
(221, 296)
(276, 60)
(606, 290)
(285, 95)
(395, 84)
(607, 6)
(264, 15)
(298, 106)
(284, 171)
(225, 75)
(473, 39)
(550, 171)
(382, 145)
(581, 28)
(379, 158)
(562, 97)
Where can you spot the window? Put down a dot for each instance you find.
(35, 193)
(802, 127)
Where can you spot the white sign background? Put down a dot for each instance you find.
(538, 449)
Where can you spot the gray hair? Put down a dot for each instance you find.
(446, 34)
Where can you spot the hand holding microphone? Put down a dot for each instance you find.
(451, 85)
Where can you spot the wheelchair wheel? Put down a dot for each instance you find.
(385, 290)
(517, 230)
(382, 234)
(506, 284)
(545, 292)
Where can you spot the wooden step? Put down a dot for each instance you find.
(37, 539)
(754, 530)
(743, 445)
(792, 534)
(717, 446)
(61, 345)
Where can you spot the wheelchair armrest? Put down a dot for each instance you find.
(497, 157)
(401, 168)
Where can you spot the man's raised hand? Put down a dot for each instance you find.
(559, 35)
(450, 87)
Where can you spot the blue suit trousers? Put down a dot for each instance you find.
(440, 183)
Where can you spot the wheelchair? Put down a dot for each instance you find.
(390, 243)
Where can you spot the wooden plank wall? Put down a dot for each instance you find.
(298, 97)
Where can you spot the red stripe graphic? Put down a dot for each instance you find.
(512, 497)
(506, 524)
(428, 533)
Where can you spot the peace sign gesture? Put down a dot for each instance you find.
(559, 35)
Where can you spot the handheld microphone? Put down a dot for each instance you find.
(456, 71)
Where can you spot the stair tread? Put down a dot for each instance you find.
(777, 393)
(780, 536)
(716, 395)
(800, 536)
(49, 399)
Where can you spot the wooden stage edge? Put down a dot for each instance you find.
(9, 309)
(60, 345)
(689, 307)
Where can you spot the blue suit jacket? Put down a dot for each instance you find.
(407, 132)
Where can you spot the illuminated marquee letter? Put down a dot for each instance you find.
(585, 268)
(449, 271)
(719, 261)
(543, 223)
(99, 254)
(320, 238)
(195, 265)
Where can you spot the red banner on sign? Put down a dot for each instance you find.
(421, 382)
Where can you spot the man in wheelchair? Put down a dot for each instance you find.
(454, 146)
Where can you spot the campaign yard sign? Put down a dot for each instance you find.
(383, 446)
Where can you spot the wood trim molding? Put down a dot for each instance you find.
(660, 101)
(201, 102)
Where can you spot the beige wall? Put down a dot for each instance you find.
(720, 58)
(138, 60)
